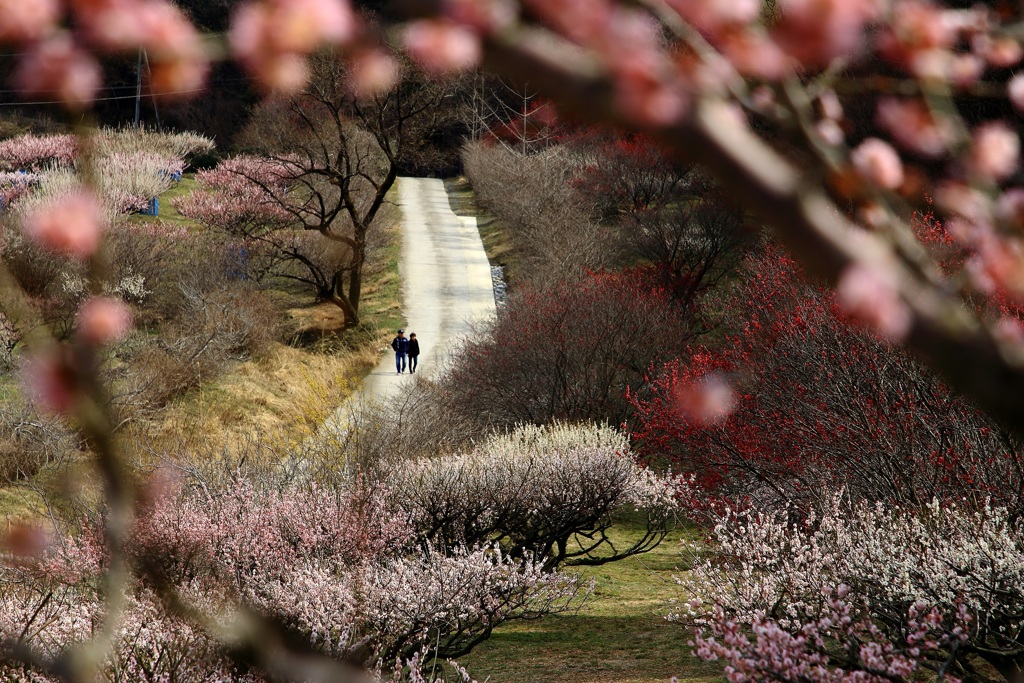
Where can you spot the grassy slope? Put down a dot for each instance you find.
(281, 397)
(285, 395)
(620, 635)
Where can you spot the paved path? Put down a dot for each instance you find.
(446, 280)
(447, 288)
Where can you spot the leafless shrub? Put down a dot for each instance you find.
(213, 328)
(533, 195)
(30, 440)
(570, 351)
(546, 492)
(418, 423)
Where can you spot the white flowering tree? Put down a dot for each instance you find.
(549, 493)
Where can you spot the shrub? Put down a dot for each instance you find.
(546, 492)
(334, 566)
(549, 224)
(30, 440)
(211, 329)
(33, 153)
(570, 352)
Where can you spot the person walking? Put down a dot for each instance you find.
(414, 352)
(401, 346)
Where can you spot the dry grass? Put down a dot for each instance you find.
(281, 398)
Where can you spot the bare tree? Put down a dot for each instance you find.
(339, 157)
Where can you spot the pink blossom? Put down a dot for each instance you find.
(817, 31)
(1009, 331)
(1010, 207)
(709, 401)
(304, 25)
(831, 107)
(1015, 91)
(373, 71)
(918, 38)
(21, 20)
(485, 16)
(26, 541)
(877, 162)
(753, 53)
(995, 151)
(181, 76)
(997, 264)
(871, 296)
(102, 320)
(51, 382)
(1000, 51)
(965, 70)
(442, 46)
(913, 126)
(711, 16)
(271, 38)
(71, 224)
(57, 69)
(582, 21)
(830, 132)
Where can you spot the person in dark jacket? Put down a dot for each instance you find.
(414, 352)
(401, 346)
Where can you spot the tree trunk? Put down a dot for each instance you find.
(355, 277)
(338, 298)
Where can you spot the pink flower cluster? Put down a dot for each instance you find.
(272, 38)
(241, 195)
(335, 564)
(14, 186)
(36, 152)
(959, 570)
(842, 646)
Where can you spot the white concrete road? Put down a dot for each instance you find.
(446, 282)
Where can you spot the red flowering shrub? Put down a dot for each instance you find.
(821, 403)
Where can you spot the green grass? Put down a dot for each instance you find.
(381, 308)
(167, 210)
(620, 635)
(494, 234)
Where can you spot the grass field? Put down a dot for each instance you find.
(620, 635)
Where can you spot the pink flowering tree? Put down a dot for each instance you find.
(333, 566)
(248, 198)
(33, 153)
(962, 564)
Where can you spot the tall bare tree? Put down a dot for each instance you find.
(340, 156)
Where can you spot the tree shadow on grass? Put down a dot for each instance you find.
(585, 648)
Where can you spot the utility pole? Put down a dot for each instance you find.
(138, 88)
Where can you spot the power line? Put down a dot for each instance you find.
(219, 81)
(100, 99)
